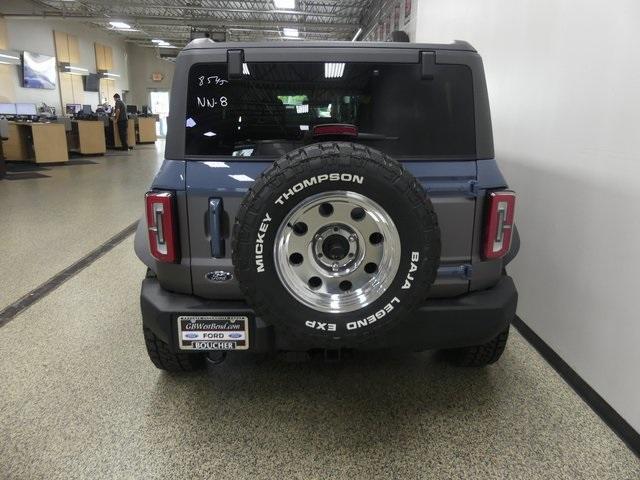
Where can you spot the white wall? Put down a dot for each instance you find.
(564, 83)
(37, 36)
(143, 63)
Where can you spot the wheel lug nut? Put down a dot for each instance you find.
(334, 267)
(352, 238)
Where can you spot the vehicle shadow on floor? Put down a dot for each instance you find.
(366, 400)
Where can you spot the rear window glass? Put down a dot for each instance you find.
(274, 108)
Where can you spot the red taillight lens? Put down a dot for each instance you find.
(345, 129)
(499, 224)
(162, 226)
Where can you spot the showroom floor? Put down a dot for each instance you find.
(79, 398)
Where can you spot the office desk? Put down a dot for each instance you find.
(36, 142)
(113, 137)
(145, 130)
(87, 137)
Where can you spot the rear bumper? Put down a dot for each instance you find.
(471, 319)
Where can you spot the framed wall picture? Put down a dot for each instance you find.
(38, 71)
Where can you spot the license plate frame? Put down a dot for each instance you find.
(213, 332)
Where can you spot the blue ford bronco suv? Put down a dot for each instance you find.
(325, 197)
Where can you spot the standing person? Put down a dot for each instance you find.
(120, 118)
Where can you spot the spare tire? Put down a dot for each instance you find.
(337, 241)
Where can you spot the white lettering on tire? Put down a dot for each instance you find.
(327, 327)
(365, 322)
(415, 256)
(259, 247)
(318, 179)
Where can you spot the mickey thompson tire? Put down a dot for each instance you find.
(335, 242)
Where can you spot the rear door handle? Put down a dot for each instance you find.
(215, 227)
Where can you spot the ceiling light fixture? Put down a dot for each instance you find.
(285, 4)
(77, 69)
(120, 25)
(9, 57)
(333, 70)
(290, 32)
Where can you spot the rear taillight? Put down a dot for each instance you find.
(498, 227)
(162, 225)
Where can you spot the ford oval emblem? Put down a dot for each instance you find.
(235, 335)
(219, 276)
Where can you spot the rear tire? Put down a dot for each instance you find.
(480, 355)
(165, 359)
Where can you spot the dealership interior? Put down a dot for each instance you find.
(96, 165)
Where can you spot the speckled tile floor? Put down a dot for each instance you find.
(79, 399)
(48, 223)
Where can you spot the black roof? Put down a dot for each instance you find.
(207, 43)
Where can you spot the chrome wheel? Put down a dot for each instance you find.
(337, 251)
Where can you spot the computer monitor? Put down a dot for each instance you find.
(7, 108)
(73, 108)
(86, 109)
(132, 109)
(24, 109)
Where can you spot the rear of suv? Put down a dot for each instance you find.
(327, 196)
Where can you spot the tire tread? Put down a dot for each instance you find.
(165, 359)
(481, 355)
